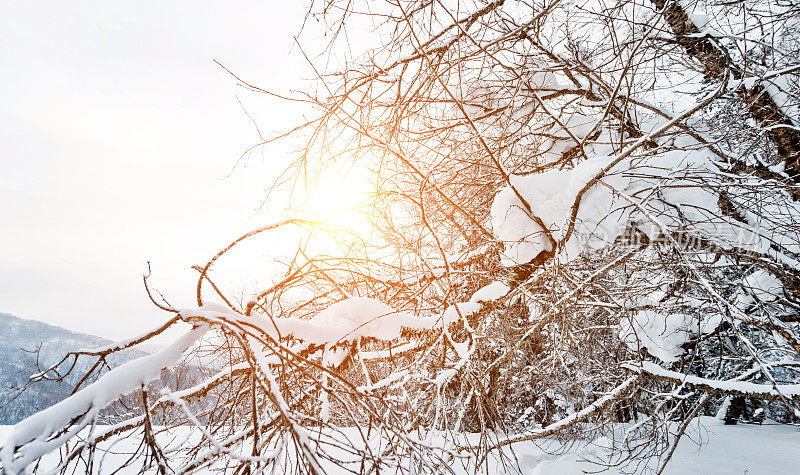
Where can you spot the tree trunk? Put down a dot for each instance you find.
(715, 60)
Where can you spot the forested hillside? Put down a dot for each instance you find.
(27, 347)
(22, 344)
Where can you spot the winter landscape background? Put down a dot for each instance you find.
(416, 236)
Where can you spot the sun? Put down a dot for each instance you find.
(343, 202)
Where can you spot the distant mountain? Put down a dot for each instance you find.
(19, 340)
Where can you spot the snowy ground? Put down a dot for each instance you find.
(708, 448)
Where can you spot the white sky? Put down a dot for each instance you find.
(116, 132)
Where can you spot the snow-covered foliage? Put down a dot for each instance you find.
(673, 178)
(491, 292)
(759, 286)
(663, 335)
(551, 196)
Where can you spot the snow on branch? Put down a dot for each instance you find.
(344, 321)
(47, 430)
(578, 417)
(742, 388)
(584, 217)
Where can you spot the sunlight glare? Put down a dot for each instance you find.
(342, 202)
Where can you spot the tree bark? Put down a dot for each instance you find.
(780, 129)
